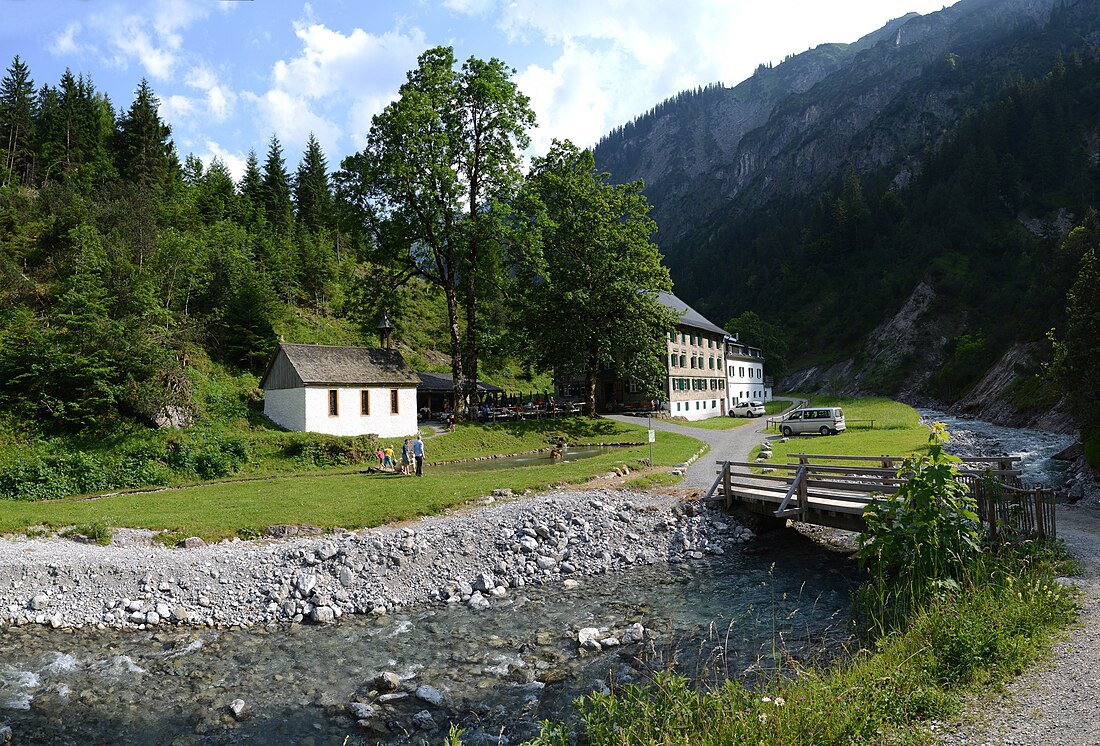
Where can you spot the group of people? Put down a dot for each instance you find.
(410, 452)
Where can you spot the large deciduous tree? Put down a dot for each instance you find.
(592, 300)
(440, 164)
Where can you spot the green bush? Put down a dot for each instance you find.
(330, 450)
(208, 457)
(925, 536)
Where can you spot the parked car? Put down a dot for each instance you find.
(824, 420)
(747, 409)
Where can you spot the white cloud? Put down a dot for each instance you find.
(65, 42)
(335, 84)
(469, 7)
(177, 109)
(219, 98)
(235, 162)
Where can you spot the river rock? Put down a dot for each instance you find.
(478, 601)
(192, 542)
(361, 710)
(587, 634)
(305, 582)
(322, 614)
(429, 694)
(484, 582)
(423, 720)
(237, 707)
(386, 681)
(392, 697)
(326, 551)
(634, 633)
(39, 602)
(5, 735)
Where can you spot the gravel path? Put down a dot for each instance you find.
(1055, 703)
(725, 445)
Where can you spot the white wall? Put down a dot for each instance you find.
(286, 408)
(351, 422)
(748, 386)
(698, 409)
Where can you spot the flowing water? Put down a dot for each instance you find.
(1034, 448)
(507, 667)
(500, 670)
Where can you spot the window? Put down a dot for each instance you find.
(672, 361)
(692, 361)
(364, 403)
(677, 406)
(393, 401)
(741, 371)
(696, 405)
(683, 361)
(333, 403)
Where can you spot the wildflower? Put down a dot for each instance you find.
(763, 717)
(766, 699)
(779, 701)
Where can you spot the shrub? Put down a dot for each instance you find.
(331, 450)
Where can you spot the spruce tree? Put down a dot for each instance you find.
(312, 191)
(146, 155)
(17, 124)
(275, 192)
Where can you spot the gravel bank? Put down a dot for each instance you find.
(1055, 703)
(470, 557)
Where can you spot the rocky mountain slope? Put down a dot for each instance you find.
(830, 171)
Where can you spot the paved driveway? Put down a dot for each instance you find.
(725, 445)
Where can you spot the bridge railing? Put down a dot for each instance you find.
(1007, 509)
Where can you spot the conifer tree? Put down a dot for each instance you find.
(146, 155)
(17, 124)
(275, 190)
(312, 191)
(251, 188)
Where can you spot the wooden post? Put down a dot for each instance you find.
(803, 493)
(726, 484)
(1040, 521)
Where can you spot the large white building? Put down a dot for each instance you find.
(341, 390)
(707, 371)
(745, 373)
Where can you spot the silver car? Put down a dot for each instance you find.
(824, 420)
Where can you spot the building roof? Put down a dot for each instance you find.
(688, 315)
(445, 382)
(320, 365)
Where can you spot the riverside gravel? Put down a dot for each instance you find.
(472, 557)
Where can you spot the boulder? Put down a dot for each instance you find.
(386, 681)
(429, 694)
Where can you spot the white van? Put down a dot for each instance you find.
(824, 420)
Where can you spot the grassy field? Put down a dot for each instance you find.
(771, 409)
(356, 500)
(897, 431)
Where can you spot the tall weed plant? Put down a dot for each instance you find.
(924, 537)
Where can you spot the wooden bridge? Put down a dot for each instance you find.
(836, 495)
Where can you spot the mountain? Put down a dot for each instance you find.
(812, 193)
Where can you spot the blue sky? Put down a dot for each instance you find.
(229, 73)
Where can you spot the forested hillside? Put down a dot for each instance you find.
(901, 217)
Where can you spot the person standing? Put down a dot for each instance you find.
(418, 454)
(406, 457)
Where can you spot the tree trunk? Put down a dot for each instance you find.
(471, 341)
(590, 376)
(459, 379)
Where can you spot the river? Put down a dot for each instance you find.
(495, 671)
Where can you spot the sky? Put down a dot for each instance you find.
(230, 73)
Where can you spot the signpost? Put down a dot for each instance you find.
(652, 437)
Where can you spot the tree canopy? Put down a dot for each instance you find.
(592, 298)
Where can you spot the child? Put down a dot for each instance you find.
(388, 463)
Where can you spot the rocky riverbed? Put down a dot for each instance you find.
(475, 557)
